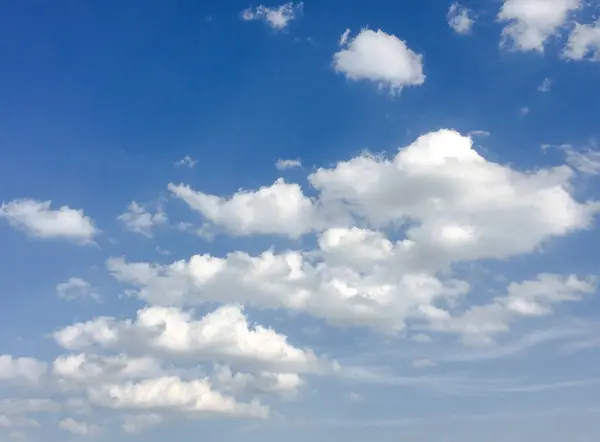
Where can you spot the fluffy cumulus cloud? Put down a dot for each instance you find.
(14, 369)
(584, 42)
(139, 220)
(451, 204)
(277, 17)
(39, 219)
(380, 58)
(460, 19)
(223, 335)
(173, 394)
(280, 208)
(530, 23)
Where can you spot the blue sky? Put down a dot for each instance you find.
(316, 221)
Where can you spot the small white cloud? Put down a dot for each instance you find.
(478, 133)
(139, 220)
(530, 23)
(381, 58)
(187, 161)
(423, 363)
(287, 164)
(584, 41)
(460, 19)
(77, 289)
(277, 17)
(78, 428)
(546, 85)
(38, 219)
(523, 111)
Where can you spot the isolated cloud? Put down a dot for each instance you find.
(186, 161)
(381, 58)
(139, 220)
(21, 369)
(287, 164)
(38, 219)
(78, 428)
(546, 85)
(75, 289)
(584, 42)
(530, 23)
(277, 17)
(460, 19)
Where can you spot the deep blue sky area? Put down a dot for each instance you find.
(100, 101)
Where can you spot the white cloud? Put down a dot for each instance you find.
(586, 161)
(281, 209)
(21, 369)
(460, 19)
(523, 111)
(277, 17)
(77, 289)
(423, 363)
(171, 393)
(285, 384)
(89, 369)
(546, 85)
(223, 335)
(584, 41)
(139, 422)
(287, 164)
(139, 220)
(456, 207)
(532, 298)
(78, 428)
(381, 58)
(529, 23)
(187, 161)
(38, 219)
